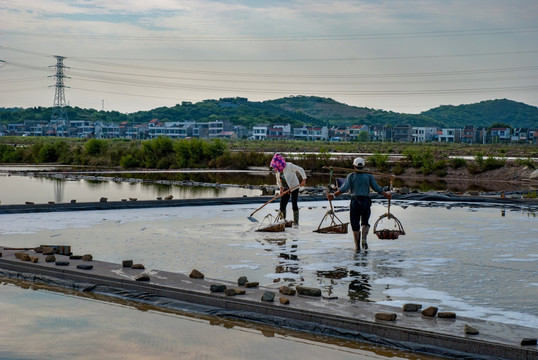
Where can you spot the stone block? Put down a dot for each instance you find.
(50, 258)
(48, 250)
(87, 257)
(385, 316)
(446, 315)
(242, 281)
(430, 311)
(137, 266)
(127, 263)
(284, 301)
(528, 342)
(230, 292)
(252, 284)
(411, 307)
(142, 277)
(217, 288)
(25, 257)
(469, 330)
(195, 274)
(308, 291)
(285, 290)
(268, 296)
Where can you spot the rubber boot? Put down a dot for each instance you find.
(296, 218)
(365, 230)
(357, 238)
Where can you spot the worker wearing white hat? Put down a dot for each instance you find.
(359, 184)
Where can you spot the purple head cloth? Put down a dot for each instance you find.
(278, 163)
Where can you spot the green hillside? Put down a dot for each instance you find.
(486, 113)
(299, 110)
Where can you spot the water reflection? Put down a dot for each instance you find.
(148, 184)
(81, 321)
(16, 189)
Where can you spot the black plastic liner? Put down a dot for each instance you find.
(430, 199)
(277, 321)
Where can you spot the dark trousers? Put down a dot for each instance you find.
(286, 198)
(359, 211)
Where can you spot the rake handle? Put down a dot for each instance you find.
(274, 198)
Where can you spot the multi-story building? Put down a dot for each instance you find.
(279, 131)
(423, 134)
(355, 130)
(259, 132)
(379, 133)
(311, 133)
(501, 134)
(449, 135)
(401, 133)
(522, 135)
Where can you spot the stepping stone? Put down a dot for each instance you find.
(411, 307)
(84, 267)
(528, 341)
(469, 330)
(446, 315)
(268, 296)
(430, 311)
(386, 316)
(195, 274)
(217, 288)
(142, 277)
(62, 263)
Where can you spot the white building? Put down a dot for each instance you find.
(449, 135)
(423, 134)
(259, 132)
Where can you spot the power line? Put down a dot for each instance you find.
(336, 37)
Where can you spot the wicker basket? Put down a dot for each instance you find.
(271, 224)
(333, 229)
(387, 234)
(335, 225)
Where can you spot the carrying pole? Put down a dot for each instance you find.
(356, 170)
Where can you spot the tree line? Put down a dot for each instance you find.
(165, 153)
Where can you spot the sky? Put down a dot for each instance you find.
(406, 56)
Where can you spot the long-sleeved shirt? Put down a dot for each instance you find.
(290, 174)
(359, 184)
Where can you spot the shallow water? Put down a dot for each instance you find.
(41, 184)
(478, 262)
(15, 189)
(40, 322)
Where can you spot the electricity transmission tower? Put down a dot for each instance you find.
(59, 113)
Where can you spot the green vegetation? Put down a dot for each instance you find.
(480, 164)
(457, 163)
(527, 162)
(165, 153)
(298, 110)
(379, 161)
(506, 112)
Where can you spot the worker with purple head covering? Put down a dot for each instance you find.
(286, 179)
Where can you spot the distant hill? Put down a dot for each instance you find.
(485, 113)
(299, 110)
(482, 114)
